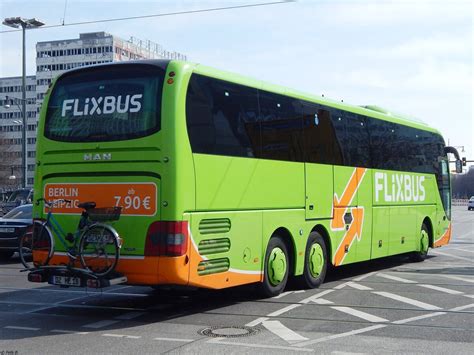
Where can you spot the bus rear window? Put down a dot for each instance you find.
(105, 103)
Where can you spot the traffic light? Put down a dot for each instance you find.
(463, 161)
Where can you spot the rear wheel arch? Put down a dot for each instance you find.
(287, 238)
(429, 225)
(324, 233)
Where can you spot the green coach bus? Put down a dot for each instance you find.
(225, 180)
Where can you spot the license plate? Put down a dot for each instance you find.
(66, 281)
(7, 230)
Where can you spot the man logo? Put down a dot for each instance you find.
(97, 157)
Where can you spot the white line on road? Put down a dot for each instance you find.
(469, 296)
(358, 286)
(458, 278)
(256, 322)
(342, 335)
(64, 331)
(338, 287)
(412, 319)
(100, 324)
(395, 278)
(175, 339)
(130, 315)
(360, 278)
(453, 256)
(462, 308)
(21, 328)
(407, 300)
(312, 298)
(122, 336)
(283, 310)
(465, 250)
(322, 301)
(442, 289)
(283, 332)
(360, 314)
(283, 294)
(258, 346)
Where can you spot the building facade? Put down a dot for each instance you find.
(52, 59)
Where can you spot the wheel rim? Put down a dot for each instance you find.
(276, 266)
(316, 260)
(424, 241)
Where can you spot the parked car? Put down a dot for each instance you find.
(12, 227)
(17, 198)
(470, 204)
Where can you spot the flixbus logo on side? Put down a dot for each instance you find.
(393, 187)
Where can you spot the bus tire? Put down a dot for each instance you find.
(424, 243)
(315, 262)
(276, 267)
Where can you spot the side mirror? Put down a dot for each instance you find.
(458, 166)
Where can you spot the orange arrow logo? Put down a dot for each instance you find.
(337, 222)
(355, 230)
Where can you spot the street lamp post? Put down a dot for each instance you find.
(25, 24)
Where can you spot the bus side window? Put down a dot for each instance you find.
(319, 138)
(281, 125)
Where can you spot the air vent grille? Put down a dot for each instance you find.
(214, 266)
(214, 246)
(214, 226)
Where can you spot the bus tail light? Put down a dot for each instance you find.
(167, 238)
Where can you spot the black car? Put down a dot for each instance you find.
(12, 227)
(16, 198)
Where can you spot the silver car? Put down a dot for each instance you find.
(470, 204)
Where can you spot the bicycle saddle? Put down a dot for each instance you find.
(87, 205)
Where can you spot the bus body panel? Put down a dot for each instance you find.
(319, 186)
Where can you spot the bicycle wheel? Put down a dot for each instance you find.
(36, 246)
(99, 249)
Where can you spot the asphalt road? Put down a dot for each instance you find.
(384, 306)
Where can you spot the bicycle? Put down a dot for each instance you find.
(96, 245)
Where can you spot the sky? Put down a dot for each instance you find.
(414, 57)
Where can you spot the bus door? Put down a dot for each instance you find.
(319, 147)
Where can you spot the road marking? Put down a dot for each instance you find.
(130, 315)
(21, 328)
(407, 300)
(470, 296)
(283, 310)
(442, 289)
(360, 278)
(360, 314)
(342, 335)
(395, 278)
(412, 319)
(458, 278)
(100, 324)
(452, 256)
(465, 250)
(338, 287)
(122, 336)
(312, 298)
(462, 308)
(358, 286)
(283, 294)
(259, 346)
(175, 339)
(283, 332)
(256, 322)
(322, 301)
(64, 331)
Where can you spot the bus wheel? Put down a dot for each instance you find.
(315, 262)
(275, 268)
(424, 239)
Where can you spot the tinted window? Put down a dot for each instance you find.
(281, 125)
(353, 138)
(319, 141)
(21, 212)
(222, 118)
(105, 104)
